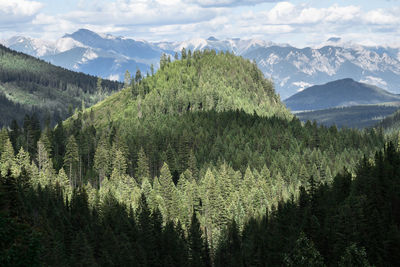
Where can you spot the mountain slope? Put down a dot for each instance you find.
(292, 69)
(360, 116)
(33, 83)
(345, 92)
(203, 81)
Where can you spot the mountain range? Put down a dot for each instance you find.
(340, 93)
(291, 69)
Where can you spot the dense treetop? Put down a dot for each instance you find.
(197, 82)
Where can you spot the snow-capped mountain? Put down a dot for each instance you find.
(291, 69)
(235, 45)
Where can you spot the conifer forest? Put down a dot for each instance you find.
(196, 164)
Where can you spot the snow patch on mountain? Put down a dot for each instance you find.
(375, 81)
(302, 85)
(67, 43)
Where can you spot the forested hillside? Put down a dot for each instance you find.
(31, 85)
(200, 81)
(198, 164)
(359, 117)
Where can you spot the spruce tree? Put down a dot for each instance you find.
(102, 159)
(71, 159)
(195, 241)
(7, 160)
(142, 169)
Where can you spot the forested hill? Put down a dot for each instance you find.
(196, 82)
(199, 164)
(29, 85)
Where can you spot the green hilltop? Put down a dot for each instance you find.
(201, 81)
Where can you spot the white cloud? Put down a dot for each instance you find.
(381, 16)
(227, 3)
(288, 13)
(298, 24)
(155, 12)
(17, 11)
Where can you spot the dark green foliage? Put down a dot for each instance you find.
(349, 223)
(304, 254)
(198, 250)
(38, 228)
(229, 250)
(29, 85)
(358, 117)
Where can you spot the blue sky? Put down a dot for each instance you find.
(300, 23)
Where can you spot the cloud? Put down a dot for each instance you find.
(229, 3)
(154, 12)
(17, 11)
(381, 16)
(288, 13)
(279, 21)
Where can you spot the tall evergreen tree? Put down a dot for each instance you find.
(71, 159)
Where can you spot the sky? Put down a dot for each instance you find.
(299, 23)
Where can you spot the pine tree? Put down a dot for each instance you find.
(3, 139)
(71, 159)
(142, 169)
(7, 160)
(354, 256)
(196, 249)
(63, 181)
(304, 254)
(102, 160)
(22, 162)
(138, 76)
(43, 159)
(99, 87)
(183, 53)
(119, 165)
(167, 191)
(192, 165)
(211, 206)
(127, 79)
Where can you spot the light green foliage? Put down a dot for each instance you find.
(207, 81)
(167, 191)
(7, 161)
(22, 161)
(119, 165)
(63, 181)
(127, 79)
(102, 160)
(3, 139)
(71, 159)
(45, 168)
(142, 170)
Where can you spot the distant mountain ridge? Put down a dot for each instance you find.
(340, 93)
(291, 69)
